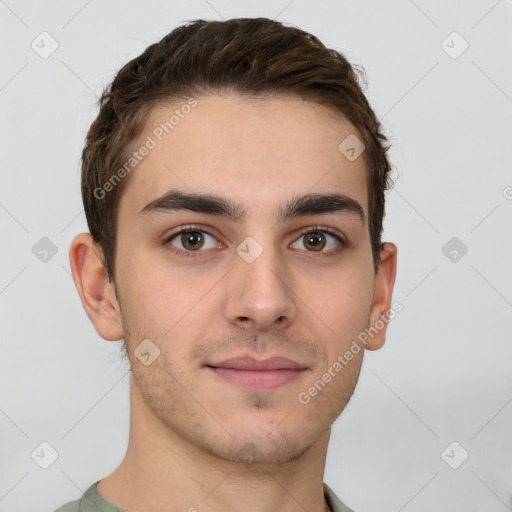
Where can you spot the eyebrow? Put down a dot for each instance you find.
(298, 206)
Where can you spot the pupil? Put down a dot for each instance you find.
(192, 240)
(316, 240)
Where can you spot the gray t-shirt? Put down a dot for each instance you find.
(93, 501)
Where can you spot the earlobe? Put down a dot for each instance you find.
(384, 284)
(93, 286)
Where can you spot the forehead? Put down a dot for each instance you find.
(260, 150)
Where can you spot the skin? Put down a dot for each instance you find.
(195, 439)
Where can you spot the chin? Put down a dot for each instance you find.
(262, 449)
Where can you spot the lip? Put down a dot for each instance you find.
(250, 373)
(249, 363)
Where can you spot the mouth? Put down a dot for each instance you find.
(252, 374)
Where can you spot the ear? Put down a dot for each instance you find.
(384, 283)
(96, 292)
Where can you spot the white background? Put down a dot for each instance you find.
(444, 374)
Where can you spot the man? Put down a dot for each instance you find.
(233, 183)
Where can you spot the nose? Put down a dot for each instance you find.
(259, 295)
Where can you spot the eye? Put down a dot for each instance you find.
(192, 240)
(316, 240)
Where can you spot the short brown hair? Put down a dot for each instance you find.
(249, 56)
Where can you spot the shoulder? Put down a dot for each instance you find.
(91, 501)
(335, 504)
(71, 506)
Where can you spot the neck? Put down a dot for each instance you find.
(162, 471)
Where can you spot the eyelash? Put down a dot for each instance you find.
(311, 229)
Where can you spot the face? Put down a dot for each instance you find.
(249, 272)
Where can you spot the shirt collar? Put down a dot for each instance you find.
(93, 501)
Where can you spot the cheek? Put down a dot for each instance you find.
(343, 303)
(149, 301)
(161, 301)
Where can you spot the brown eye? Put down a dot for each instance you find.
(192, 240)
(314, 241)
(320, 241)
